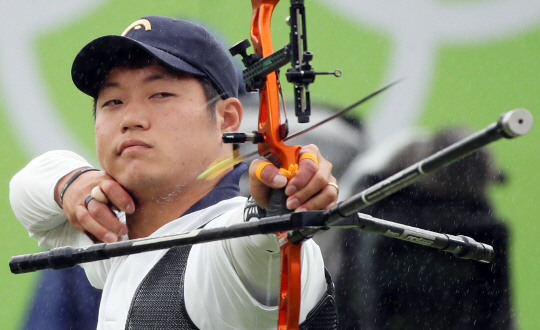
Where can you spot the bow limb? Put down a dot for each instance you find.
(289, 298)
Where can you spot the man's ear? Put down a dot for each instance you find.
(229, 114)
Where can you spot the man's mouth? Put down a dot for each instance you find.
(129, 145)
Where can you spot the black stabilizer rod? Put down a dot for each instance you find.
(67, 256)
(511, 124)
(460, 246)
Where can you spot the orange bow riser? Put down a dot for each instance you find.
(269, 110)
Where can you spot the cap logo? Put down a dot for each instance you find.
(137, 25)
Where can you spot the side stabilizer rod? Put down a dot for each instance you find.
(511, 124)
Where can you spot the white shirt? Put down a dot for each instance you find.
(229, 284)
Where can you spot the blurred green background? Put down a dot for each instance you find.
(470, 83)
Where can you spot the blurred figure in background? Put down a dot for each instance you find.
(63, 299)
(389, 284)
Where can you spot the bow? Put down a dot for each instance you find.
(261, 74)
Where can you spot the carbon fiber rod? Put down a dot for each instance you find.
(460, 246)
(511, 124)
(67, 256)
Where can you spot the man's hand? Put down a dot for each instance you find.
(313, 187)
(97, 221)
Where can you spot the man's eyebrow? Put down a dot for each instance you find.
(111, 84)
(157, 76)
(149, 78)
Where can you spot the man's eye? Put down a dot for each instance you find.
(111, 103)
(161, 95)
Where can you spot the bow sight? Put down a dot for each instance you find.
(301, 74)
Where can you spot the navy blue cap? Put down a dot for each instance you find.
(176, 43)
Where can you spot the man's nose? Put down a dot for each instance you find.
(135, 117)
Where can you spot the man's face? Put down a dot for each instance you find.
(153, 129)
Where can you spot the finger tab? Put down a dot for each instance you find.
(309, 155)
(260, 168)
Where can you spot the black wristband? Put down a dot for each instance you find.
(70, 181)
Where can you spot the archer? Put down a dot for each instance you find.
(164, 94)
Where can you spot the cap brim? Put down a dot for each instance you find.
(97, 58)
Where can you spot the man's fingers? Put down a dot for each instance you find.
(91, 226)
(269, 175)
(314, 173)
(74, 222)
(307, 190)
(98, 195)
(323, 201)
(307, 168)
(114, 193)
(315, 186)
(262, 175)
(100, 221)
(97, 220)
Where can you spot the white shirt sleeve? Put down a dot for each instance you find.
(31, 193)
(234, 284)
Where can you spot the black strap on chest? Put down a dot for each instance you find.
(159, 303)
(324, 316)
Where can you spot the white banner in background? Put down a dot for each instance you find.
(29, 108)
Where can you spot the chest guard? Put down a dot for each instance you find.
(159, 303)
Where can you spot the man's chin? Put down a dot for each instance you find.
(134, 178)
